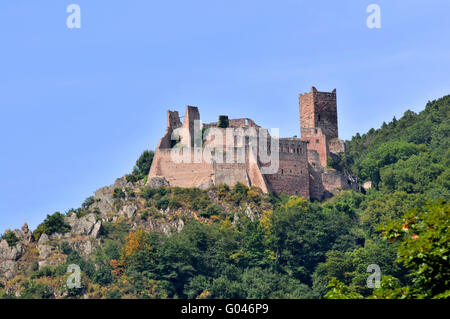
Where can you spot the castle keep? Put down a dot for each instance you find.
(235, 150)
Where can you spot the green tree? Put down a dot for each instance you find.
(10, 238)
(52, 224)
(142, 167)
(424, 247)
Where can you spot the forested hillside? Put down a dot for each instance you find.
(236, 242)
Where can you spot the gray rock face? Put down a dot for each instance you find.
(25, 234)
(164, 227)
(10, 253)
(85, 226)
(43, 239)
(95, 232)
(50, 263)
(128, 211)
(206, 185)
(157, 182)
(45, 251)
(121, 182)
(104, 196)
(250, 214)
(105, 200)
(8, 257)
(178, 224)
(7, 268)
(83, 247)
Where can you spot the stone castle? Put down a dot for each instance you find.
(301, 162)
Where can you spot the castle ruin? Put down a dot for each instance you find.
(230, 152)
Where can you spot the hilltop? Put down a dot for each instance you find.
(133, 240)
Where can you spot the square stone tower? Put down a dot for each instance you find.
(318, 124)
(318, 110)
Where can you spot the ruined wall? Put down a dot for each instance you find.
(293, 176)
(235, 123)
(181, 174)
(173, 122)
(336, 146)
(317, 142)
(192, 114)
(315, 170)
(231, 174)
(334, 181)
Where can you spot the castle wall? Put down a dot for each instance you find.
(235, 123)
(315, 170)
(293, 176)
(231, 174)
(336, 146)
(192, 114)
(254, 173)
(181, 174)
(302, 163)
(173, 122)
(317, 142)
(334, 181)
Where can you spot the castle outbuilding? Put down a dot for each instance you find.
(191, 154)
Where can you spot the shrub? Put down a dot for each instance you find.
(239, 193)
(142, 167)
(118, 193)
(162, 203)
(223, 121)
(87, 266)
(88, 202)
(10, 238)
(156, 193)
(223, 190)
(35, 290)
(45, 271)
(211, 210)
(103, 275)
(65, 247)
(174, 203)
(52, 224)
(253, 195)
(151, 212)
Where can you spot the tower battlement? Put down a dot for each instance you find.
(318, 110)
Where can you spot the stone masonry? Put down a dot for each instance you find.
(302, 168)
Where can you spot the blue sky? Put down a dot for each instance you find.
(78, 106)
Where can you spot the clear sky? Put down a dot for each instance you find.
(78, 106)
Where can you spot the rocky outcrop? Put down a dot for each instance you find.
(44, 251)
(8, 257)
(104, 199)
(167, 228)
(128, 211)
(250, 214)
(24, 234)
(206, 185)
(86, 226)
(83, 246)
(157, 182)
